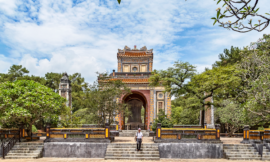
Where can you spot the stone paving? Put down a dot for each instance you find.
(150, 140)
(231, 140)
(132, 140)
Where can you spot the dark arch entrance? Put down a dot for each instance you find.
(136, 102)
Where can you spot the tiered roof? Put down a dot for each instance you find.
(127, 52)
(132, 80)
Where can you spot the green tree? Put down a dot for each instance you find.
(53, 80)
(25, 101)
(183, 113)
(174, 79)
(163, 119)
(102, 100)
(255, 73)
(68, 119)
(232, 114)
(229, 57)
(15, 72)
(79, 89)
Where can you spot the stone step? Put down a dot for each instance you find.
(25, 151)
(131, 146)
(240, 150)
(243, 153)
(134, 131)
(131, 149)
(29, 143)
(127, 151)
(264, 159)
(21, 157)
(29, 147)
(266, 156)
(24, 154)
(132, 152)
(131, 158)
(237, 145)
(132, 155)
(244, 158)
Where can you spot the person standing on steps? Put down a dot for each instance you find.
(139, 139)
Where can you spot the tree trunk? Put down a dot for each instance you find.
(31, 131)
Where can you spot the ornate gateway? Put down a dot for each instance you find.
(134, 69)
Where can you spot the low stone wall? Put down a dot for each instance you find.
(74, 149)
(191, 150)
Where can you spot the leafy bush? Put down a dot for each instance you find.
(163, 119)
(34, 129)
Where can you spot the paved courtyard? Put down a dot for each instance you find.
(150, 140)
(101, 160)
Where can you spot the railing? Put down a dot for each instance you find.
(81, 133)
(112, 126)
(187, 126)
(77, 133)
(188, 133)
(9, 133)
(256, 136)
(7, 145)
(233, 135)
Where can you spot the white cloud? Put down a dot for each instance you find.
(57, 36)
(8, 7)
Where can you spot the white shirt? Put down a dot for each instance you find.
(139, 135)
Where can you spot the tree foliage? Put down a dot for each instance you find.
(232, 114)
(163, 119)
(229, 57)
(102, 101)
(26, 102)
(255, 69)
(174, 79)
(183, 113)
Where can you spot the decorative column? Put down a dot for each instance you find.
(217, 126)
(65, 89)
(205, 125)
(116, 127)
(107, 130)
(48, 131)
(246, 134)
(158, 131)
(152, 111)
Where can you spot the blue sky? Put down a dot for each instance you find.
(84, 35)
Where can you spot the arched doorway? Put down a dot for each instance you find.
(137, 107)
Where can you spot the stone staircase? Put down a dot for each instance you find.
(266, 153)
(26, 150)
(241, 152)
(131, 133)
(127, 151)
